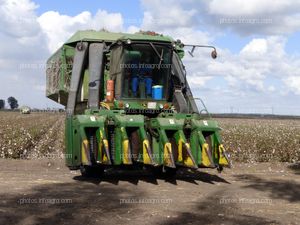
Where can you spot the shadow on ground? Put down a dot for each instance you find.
(213, 211)
(100, 204)
(277, 189)
(76, 203)
(295, 167)
(134, 176)
(83, 202)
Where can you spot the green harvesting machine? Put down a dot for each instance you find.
(128, 104)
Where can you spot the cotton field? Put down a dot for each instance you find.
(31, 135)
(262, 140)
(37, 135)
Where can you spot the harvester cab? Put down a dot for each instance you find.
(128, 103)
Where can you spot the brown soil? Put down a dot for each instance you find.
(44, 191)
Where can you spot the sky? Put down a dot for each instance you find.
(258, 44)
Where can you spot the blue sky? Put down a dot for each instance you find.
(129, 9)
(133, 9)
(258, 68)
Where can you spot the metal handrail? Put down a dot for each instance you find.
(204, 106)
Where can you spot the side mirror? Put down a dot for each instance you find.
(214, 54)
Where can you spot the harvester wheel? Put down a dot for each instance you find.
(91, 171)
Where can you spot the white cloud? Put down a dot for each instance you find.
(198, 80)
(166, 14)
(109, 21)
(18, 18)
(293, 82)
(250, 8)
(271, 88)
(274, 17)
(23, 42)
(260, 70)
(60, 28)
(259, 60)
(133, 29)
(256, 46)
(20, 32)
(28, 40)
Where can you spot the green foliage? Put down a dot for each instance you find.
(13, 102)
(2, 104)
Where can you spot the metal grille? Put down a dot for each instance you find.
(54, 73)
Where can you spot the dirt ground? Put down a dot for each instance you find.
(44, 191)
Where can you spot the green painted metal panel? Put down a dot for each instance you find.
(118, 147)
(111, 37)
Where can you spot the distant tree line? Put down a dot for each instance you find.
(2, 104)
(12, 102)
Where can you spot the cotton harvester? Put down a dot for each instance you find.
(128, 104)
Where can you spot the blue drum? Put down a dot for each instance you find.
(157, 92)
